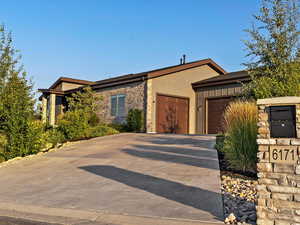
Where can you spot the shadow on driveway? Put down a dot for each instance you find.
(188, 195)
(171, 139)
(191, 161)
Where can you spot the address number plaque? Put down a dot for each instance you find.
(284, 154)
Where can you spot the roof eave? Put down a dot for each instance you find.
(222, 82)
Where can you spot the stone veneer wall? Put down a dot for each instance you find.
(279, 183)
(135, 98)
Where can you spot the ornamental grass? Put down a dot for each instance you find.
(240, 123)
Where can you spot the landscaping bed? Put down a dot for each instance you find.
(239, 194)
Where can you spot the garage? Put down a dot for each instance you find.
(215, 111)
(212, 97)
(172, 114)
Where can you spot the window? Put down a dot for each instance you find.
(118, 105)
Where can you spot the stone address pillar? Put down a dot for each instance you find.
(52, 109)
(278, 167)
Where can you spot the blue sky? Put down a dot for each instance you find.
(97, 39)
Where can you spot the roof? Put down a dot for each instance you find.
(70, 80)
(229, 78)
(130, 78)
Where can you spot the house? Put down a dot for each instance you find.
(187, 98)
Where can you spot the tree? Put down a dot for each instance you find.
(16, 102)
(273, 50)
(85, 100)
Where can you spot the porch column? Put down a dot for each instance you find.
(44, 109)
(52, 109)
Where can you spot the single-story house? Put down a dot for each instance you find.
(188, 98)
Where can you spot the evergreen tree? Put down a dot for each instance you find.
(16, 102)
(273, 50)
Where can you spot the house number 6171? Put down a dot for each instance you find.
(284, 154)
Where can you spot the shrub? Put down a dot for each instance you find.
(220, 142)
(240, 146)
(73, 124)
(3, 142)
(29, 140)
(100, 130)
(93, 119)
(120, 127)
(135, 120)
(54, 137)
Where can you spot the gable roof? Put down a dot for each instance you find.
(130, 78)
(70, 80)
(229, 78)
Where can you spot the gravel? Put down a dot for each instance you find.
(239, 197)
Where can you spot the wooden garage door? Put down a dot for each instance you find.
(215, 111)
(172, 114)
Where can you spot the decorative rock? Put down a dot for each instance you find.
(230, 219)
(239, 195)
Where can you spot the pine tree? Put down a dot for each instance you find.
(273, 50)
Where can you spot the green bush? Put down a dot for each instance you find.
(29, 140)
(73, 125)
(100, 130)
(220, 142)
(3, 142)
(54, 137)
(121, 127)
(135, 120)
(240, 147)
(93, 119)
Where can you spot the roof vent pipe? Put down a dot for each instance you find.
(183, 59)
(180, 61)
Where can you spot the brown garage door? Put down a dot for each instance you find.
(172, 114)
(215, 111)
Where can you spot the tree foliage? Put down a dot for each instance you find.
(273, 50)
(85, 100)
(16, 102)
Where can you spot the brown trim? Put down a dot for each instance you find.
(130, 78)
(212, 84)
(178, 68)
(172, 96)
(70, 80)
(51, 91)
(230, 78)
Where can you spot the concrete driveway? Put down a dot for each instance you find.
(121, 179)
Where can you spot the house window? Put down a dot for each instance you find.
(118, 105)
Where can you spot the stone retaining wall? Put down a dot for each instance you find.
(279, 180)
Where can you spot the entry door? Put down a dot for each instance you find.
(172, 114)
(215, 111)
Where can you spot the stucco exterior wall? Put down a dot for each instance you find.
(135, 98)
(68, 86)
(177, 84)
